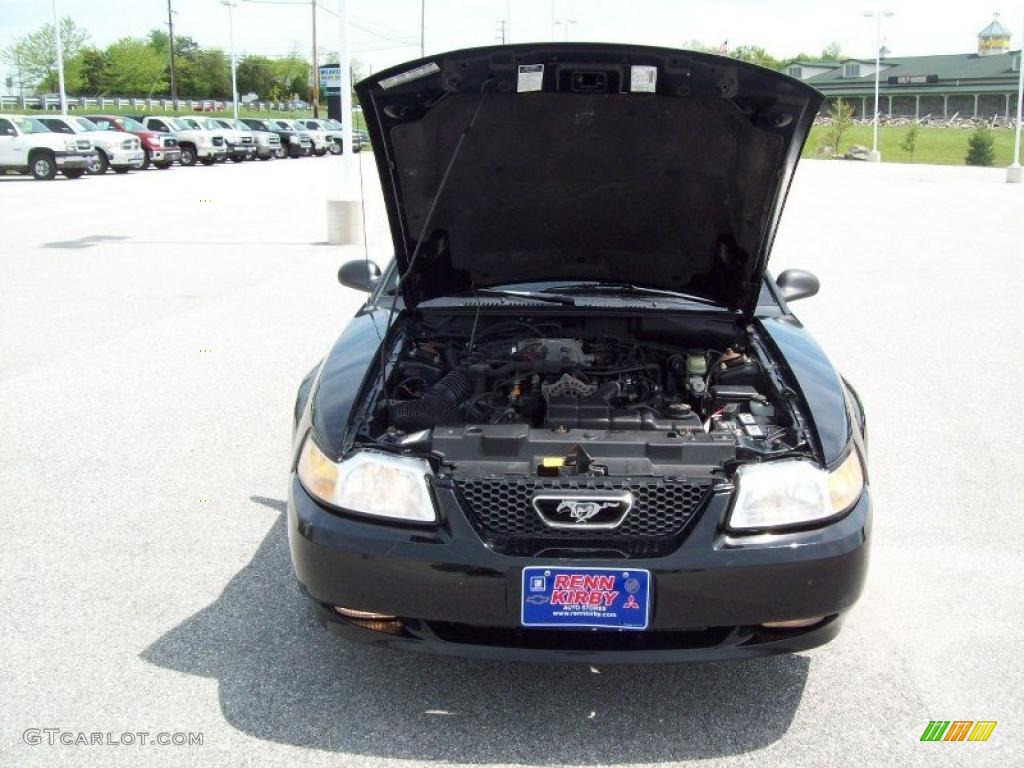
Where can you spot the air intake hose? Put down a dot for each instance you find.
(440, 406)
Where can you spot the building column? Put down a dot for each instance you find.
(863, 105)
(1007, 107)
(945, 106)
(975, 105)
(890, 107)
(917, 106)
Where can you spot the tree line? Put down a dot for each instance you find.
(140, 66)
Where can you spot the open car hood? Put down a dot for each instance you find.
(585, 161)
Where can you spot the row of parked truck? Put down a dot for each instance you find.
(74, 145)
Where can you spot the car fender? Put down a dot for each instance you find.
(335, 388)
(816, 380)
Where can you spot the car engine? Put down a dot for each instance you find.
(559, 389)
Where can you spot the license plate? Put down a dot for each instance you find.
(605, 598)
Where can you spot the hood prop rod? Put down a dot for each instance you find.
(426, 227)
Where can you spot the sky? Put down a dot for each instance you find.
(386, 32)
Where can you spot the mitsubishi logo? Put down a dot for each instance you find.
(583, 510)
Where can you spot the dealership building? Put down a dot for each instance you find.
(981, 84)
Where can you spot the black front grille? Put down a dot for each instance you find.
(218, 141)
(501, 509)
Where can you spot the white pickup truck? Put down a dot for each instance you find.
(120, 151)
(28, 146)
(322, 143)
(332, 132)
(241, 143)
(267, 143)
(200, 145)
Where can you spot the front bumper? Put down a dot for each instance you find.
(125, 158)
(165, 155)
(267, 150)
(246, 153)
(458, 597)
(70, 160)
(215, 152)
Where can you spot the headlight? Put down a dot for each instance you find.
(783, 494)
(70, 145)
(377, 484)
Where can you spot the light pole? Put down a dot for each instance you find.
(170, 50)
(423, 28)
(1014, 174)
(60, 60)
(316, 68)
(345, 86)
(345, 210)
(565, 27)
(230, 4)
(875, 155)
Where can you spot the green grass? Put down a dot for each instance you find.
(938, 146)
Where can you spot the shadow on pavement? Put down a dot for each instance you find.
(284, 678)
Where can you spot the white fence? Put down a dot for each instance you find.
(98, 104)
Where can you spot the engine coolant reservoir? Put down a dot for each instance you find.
(696, 364)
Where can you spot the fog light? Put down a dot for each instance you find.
(375, 622)
(794, 624)
(352, 613)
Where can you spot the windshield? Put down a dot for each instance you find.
(29, 125)
(57, 125)
(284, 124)
(85, 124)
(213, 125)
(195, 125)
(130, 125)
(239, 125)
(259, 125)
(334, 125)
(178, 125)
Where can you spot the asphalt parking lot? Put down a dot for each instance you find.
(153, 329)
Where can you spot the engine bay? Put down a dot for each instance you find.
(586, 395)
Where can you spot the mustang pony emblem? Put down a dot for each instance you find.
(587, 510)
(581, 511)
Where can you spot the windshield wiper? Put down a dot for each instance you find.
(547, 298)
(626, 289)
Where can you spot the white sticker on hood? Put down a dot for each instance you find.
(531, 78)
(643, 79)
(412, 74)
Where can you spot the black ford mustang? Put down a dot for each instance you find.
(575, 419)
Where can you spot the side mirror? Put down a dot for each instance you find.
(797, 284)
(10, 132)
(360, 274)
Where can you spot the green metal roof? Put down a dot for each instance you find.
(952, 70)
(831, 63)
